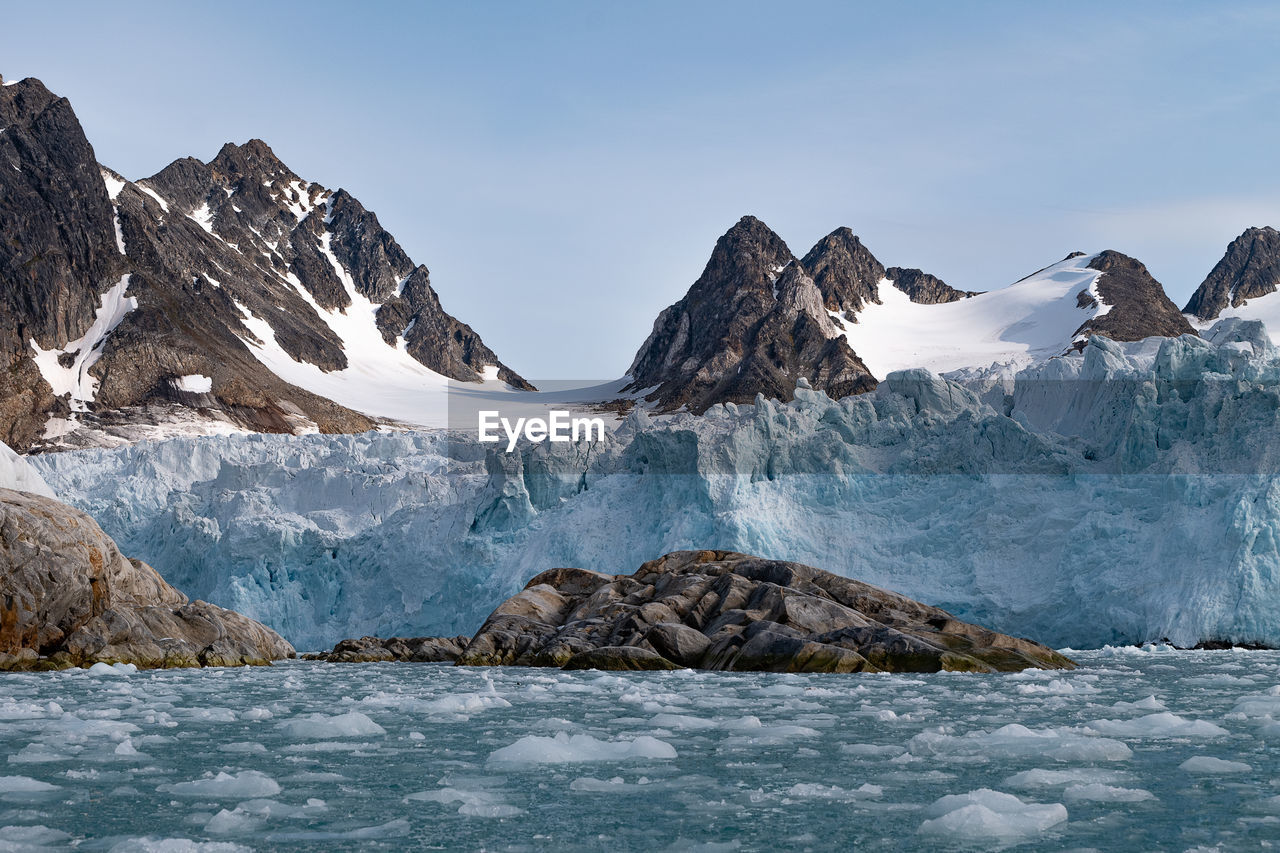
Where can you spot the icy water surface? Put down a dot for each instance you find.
(1137, 750)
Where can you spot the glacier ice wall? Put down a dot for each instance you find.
(18, 474)
(1122, 495)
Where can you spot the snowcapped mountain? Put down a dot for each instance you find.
(750, 324)
(1241, 284)
(215, 297)
(1049, 313)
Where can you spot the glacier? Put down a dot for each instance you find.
(1120, 495)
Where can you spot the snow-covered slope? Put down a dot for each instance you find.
(1029, 321)
(1265, 309)
(1111, 497)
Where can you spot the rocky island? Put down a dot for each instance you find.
(717, 610)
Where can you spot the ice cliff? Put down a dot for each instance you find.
(1120, 495)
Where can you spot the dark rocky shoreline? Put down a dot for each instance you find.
(715, 610)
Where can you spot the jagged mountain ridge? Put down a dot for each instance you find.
(1249, 269)
(753, 321)
(232, 292)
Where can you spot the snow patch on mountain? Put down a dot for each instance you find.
(84, 352)
(1027, 322)
(1265, 309)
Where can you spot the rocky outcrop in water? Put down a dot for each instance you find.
(68, 597)
(401, 649)
(722, 610)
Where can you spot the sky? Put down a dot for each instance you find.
(564, 169)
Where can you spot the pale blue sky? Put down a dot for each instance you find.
(565, 168)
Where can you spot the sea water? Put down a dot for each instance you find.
(1138, 749)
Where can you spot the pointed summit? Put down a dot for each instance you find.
(1249, 269)
(1139, 307)
(753, 322)
(255, 157)
(845, 271)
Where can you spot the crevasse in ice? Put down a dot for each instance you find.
(1121, 495)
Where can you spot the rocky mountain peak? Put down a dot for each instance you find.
(1139, 307)
(252, 159)
(1249, 269)
(754, 322)
(746, 260)
(845, 271)
(231, 290)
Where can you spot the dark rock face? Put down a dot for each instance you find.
(68, 597)
(58, 248)
(924, 288)
(402, 649)
(205, 246)
(727, 611)
(1139, 307)
(753, 323)
(845, 271)
(1249, 269)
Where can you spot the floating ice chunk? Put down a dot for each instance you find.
(320, 726)
(1270, 805)
(398, 828)
(30, 838)
(1151, 703)
(569, 749)
(38, 753)
(243, 746)
(150, 844)
(490, 810)
(616, 785)
(1258, 706)
(1017, 741)
(1098, 792)
(814, 790)
(24, 785)
(232, 822)
(755, 732)
(1040, 778)
(277, 809)
(13, 710)
(1209, 764)
(987, 815)
(126, 749)
(870, 749)
(1056, 687)
(314, 776)
(112, 669)
(1162, 724)
(247, 783)
(682, 722)
(256, 714)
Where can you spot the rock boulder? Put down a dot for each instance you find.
(68, 597)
